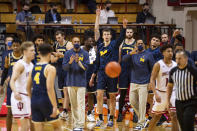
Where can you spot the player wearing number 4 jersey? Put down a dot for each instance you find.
(160, 74)
(43, 98)
(20, 101)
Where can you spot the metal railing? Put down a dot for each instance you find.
(142, 31)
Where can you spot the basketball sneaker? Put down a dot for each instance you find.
(90, 118)
(110, 123)
(99, 123)
(64, 116)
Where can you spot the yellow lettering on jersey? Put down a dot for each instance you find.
(81, 58)
(61, 50)
(142, 59)
(37, 78)
(12, 64)
(127, 48)
(103, 52)
(38, 58)
(38, 68)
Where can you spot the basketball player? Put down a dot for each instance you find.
(106, 52)
(124, 78)
(89, 46)
(38, 40)
(10, 60)
(20, 101)
(160, 74)
(155, 51)
(155, 47)
(43, 98)
(61, 47)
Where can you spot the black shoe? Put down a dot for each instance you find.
(119, 117)
(135, 118)
(162, 120)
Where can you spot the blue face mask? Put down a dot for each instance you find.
(10, 43)
(77, 46)
(140, 48)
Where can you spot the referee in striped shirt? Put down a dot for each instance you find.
(184, 77)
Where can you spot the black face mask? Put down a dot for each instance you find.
(140, 48)
(26, 11)
(145, 10)
(55, 10)
(107, 8)
(77, 46)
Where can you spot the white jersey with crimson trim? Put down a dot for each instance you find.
(21, 82)
(163, 76)
(22, 108)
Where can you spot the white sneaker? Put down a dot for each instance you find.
(90, 118)
(64, 116)
(138, 128)
(78, 129)
(108, 117)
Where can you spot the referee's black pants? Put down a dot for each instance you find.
(186, 111)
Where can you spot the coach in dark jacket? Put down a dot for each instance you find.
(141, 16)
(52, 16)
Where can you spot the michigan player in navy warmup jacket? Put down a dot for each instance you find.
(124, 78)
(155, 48)
(8, 44)
(106, 52)
(38, 40)
(61, 47)
(10, 60)
(43, 98)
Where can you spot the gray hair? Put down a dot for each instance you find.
(182, 52)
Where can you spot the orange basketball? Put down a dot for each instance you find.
(113, 69)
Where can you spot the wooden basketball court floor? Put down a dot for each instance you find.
(126, 125)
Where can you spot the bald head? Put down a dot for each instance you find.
(183, 53)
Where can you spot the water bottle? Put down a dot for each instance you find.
(75, 22)
(80, 22)
(39, 21)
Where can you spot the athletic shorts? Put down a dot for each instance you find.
(106, 83)
(8, 99)
(41, 109)
(124, 79)
(21, 109)
(61, 74)
(91, 89)
(161, 107)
